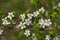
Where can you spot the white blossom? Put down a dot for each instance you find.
(33, 34)
(28, 22)
(30, 16)
(5, 21)
(27, 33)
(35, 14)
(48, 22)
(34, 38)
(45, 22)
(56, 38)
(10, 15)
(21, 25)
(41, 21)
(46, 14)
(43, 26)
(22, 16)
(1, 32)
(39, 10)
(59, 4)
(42, 9)
(54, 7)
(47, 37)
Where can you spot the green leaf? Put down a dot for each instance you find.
(21, 35)
(55, 24)
(5, 27)
(51, 32)
(1, 14)
(36, 25)
(14, 37)
(27, 10)
(58, 9)
(34, 2)
(29, 38)
(59, 26)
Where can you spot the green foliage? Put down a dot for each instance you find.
(34, 2)
(1, 14)
(55, 25)
(6, 27)
(29, 38)
(27, 11)
(40, 35)
(51, 32)
(59, 26)
(21, 35)
(36, 25)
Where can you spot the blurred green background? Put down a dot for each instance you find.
(19, 7)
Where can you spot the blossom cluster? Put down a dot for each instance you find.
(27, 33)
(27, 21)
(45, 22)
(5, 20)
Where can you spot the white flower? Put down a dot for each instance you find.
(21, 25)
(43, 26)
(5, 21)
(41, 22)
(22, 16)
(48, 22)
(54, 7)
(45, 22)
(35, 14)
(34, 38)
(33, 34)
(39, 10)
(46, 14)
(30, 16)
(1, 32)
(59, 4)
(28, 21)
(56, 38)
(42, 9)
(10, 15)
(47, 37)
(27, 33)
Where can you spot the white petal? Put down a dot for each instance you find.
(59, 4)
(21, 27)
